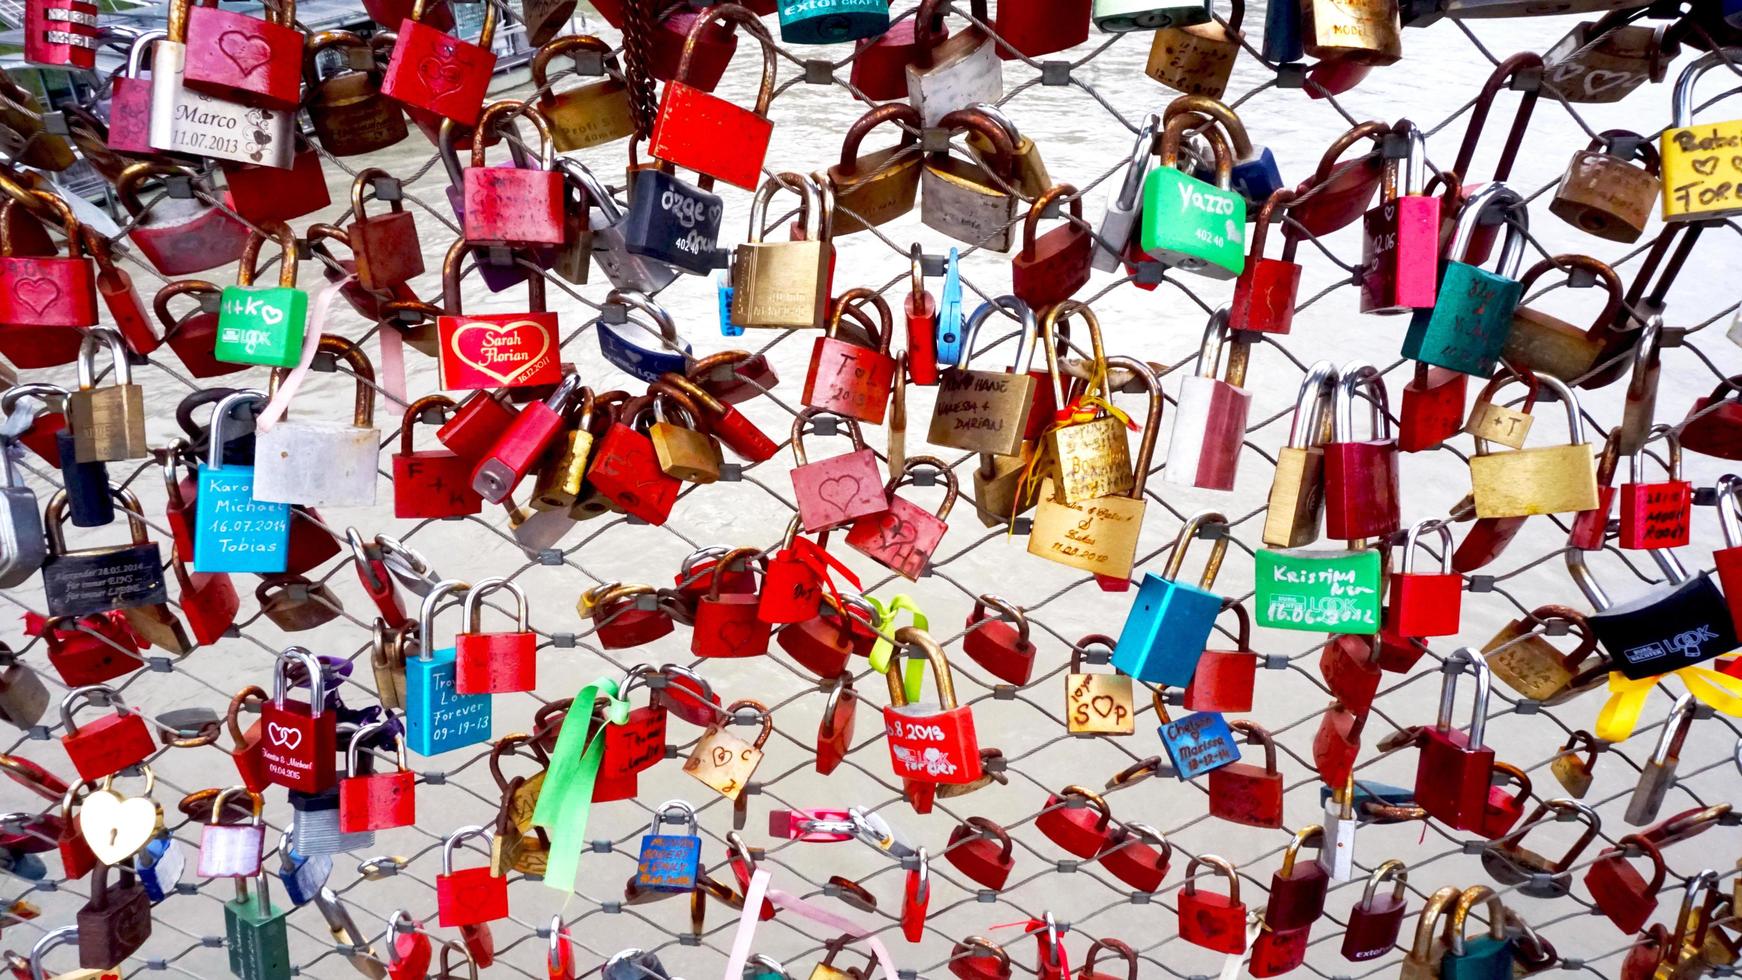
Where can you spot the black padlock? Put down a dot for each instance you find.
(672, 221)
(116, 920)
(94, 580)
(1678, 624)
(87, 485)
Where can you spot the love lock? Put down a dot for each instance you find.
(1077, 820)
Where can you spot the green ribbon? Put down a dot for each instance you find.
(913, 677)
(567, 798)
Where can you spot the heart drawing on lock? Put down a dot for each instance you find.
(440, 77)
(116, 828)
(1103, 705)
(248, 54)
(36, 294)
(721, 757)
(503, 351)
(839, 491)
(1598, 81)
(284, 736)
(1704, 166)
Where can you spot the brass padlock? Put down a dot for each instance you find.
(1359, 31)
(966, 201)
(785, 285)
(724, 761)
(1297, 490)
(1546, 344)
(387, 660)
(1500, 423)
(1032, 179)
(1007, 486)
(1603, 194)
(1197, 59)
(108, 423)
(1521, 656)
(882, 185)
(1089, 458)
(1097, 704)
(564, 473)
(684, 451)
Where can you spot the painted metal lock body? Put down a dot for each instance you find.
(510, 205)
(1361, 499)
(107, 421)
(729, 624)
(1541, 480)
(499, 662)
(23, 548)
(1209, 421)
(437, 74)
(114, 922)
(670, 354)
(1453, 774)
(1426, 603)
(47, 291)
(1619, 890)
(1077, 820)
(1139, 856)
(256, 935)
(705, 133)
(877, 187)
(610, 248)
(1297, 891)
(1319, 590)
(626, 471)
(1432, 409)
(1209, 919)
(1656, 515)
(300, 738)
(386, 245)
(1487, 957)
(376, 800)
(1224, 679)
(927, 742)
(987, 411)
(1170, 620)
(347, 109)
(847, 378)
(1098, 704)
(1467, 326)
(1189, 224)
(981, 850)
(184, 120)
(1601, 193)
(670, 862)
(107, 746)
(431, 482)
(178, 237)
(1002, 649)
(590, 114)
(722, 760)
(1400, 243)
(1266, 290)
(61, 34)
(785, 285)
(903, 537)
(837, 490)
(263, 324)
(671, 221)
(244, 59)
(1376, 919)
(437, 717)
(1701, 180)
(1243, 793)
(1297, 489)
(232, 850)
(349, 451)
(96, 580)
(92, 650)
(468, 896)
(1051, 267)
(1200, 742)
(946, 72)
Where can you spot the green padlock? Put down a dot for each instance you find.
(1485, 957)
(1471, 318)
(255, 933)
(263, 324)
(1187, 223)
(1319, 591)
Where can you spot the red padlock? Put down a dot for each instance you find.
(1400, 238)
(244, 59)
(1432, 409)
(1657, 515)
(929, 743)
(727, 625)
(823, 643)
(104, 748)
(625, 469)
(299, 739)
(122, 301)
(439, 74)
(1266, 289)
(792, 589)
(1338, 192)
(249, 760)
(1034, 28)
(47, 291)
(194, 334)
(386, 246)
(61, 34)
(625, 616)
(1050, 268)
(835, 728)
(75, 852)
(916, 898)
(1241, 792)
(208, 602)
(431, 482)
(847, 378)
(476, 425)
(1349, 663)
(1452, 776)
(1004, 650)
(700, 131)
(265, 194)
(1728, 559)
(524, 442)
(1278, 951)
(1376, 919)
(981, 850)
(713, 50)
(470, 896)
(509, 205)
(1337, 742)
(1620, 891)
(1132, 859)
(1502, 810)
(903, 537)
(1297, 891)
(376, 801)
(1077, 820)
(1117, 948)
(732, 427)
(1223, 679)
(838, 490)
(1361, 474)
(922, 327)
(696, 574)
(311, 544)
(1209, 919)
(91, 650)
(1424, 603)
(408, 948)
(495, 663)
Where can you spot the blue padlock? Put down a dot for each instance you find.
(669, 356)
(950, 318)
(160, 866)
(1282, 40)
(437, 718)
(21, 864)
(723, 284)
(303, 876)
(233, 532)
(1170, 621)
(1369, 793)
(670, 862)
(1197, 743)
(1256, 175)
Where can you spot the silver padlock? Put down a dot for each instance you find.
(316, 830)
(198, 124)
(22, 545)
(1125, 200)
(1659, 772)
(233, 850)
(23, 696)
(302, 875)
(320, 463)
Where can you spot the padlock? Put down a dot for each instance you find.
(1700, 182)
(1619, 890)
(97, 580)
(201, 123)
(784, 285)
(1223, 679)
(1125, 16)
(49, 291)
(1680, 623)
(1400, 244)
(1241, 792)
(1341, 191)
(108, 423)
(1098, 704)
(1365, 33)
(1452, 776)
(648, 363)
(376, 801)
(61, 34)
(1003, 650)
(587, 115)
(981, 850)
(1656, 515)
(823, 643)
(386, 245)
(1297, 489)
(626, 470)
(671, 222)
(1658, 775)
(988, 411)
(300, 738)
(23, 696)
(23, 549)
(1209, 422)
(979, 958)
(1198, 743)
(1361, 499)
(1255, 176)
(437, 74)
(1297, 891)
(1376, 919)
(839, 489)
(1050, 268)
(1210, 919)
(349, 452)
(1606, 59)
(1487, 957)
(1544, 480)
(1131, 858)
(930, 743)
(107, 746)
(1545, 344)
(485, 350)
(431, 482)
(232, 850)
(1573, 771)
(724, 761)
(437, 717)
(178, 237)
(1602, 194)
(1187, 223)
(1426, 603)
(1432, 938)
(114, 922)
(1197, 58)
(1466, 328)
(835, 729)
(348, 111)
(878, 187)
(1077, 820)
(244, 59)
(620, 618)
(509, 205)
(945, 72)
(500, 662)
(1508, 862)
(728, 625)
(904, 537)
(847, 378)
(293, 603)
(669, 862)
(263, 324)
(469, 896)
(524, 442)
(1265, 292)
(1170, 621)
(704, 132)
(93, 649)
(969, 201)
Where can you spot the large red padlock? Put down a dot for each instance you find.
(469, 896)
(495, 663)
(1297, 891)
(1452, 777)
(1004, 650)
(1223, 680)
(1619, 890)
(1400, 237)
(1265, 291)
(713, 50)
(509, 205)
(91, 650)
(431, 482)
(47, 291)
(1077, 820)
(1133, 859)
(929, 743)
(299, 739)
(981, 850)
(1426, 603)
(249, 760)
(1055, 265)
(703, 132)
(1349, 663)
(208, 602)
(105, 747)
(850, 379)
(1728, 559)
(263, 194)
(438, 73)
(695, 575)
(476, 425)
(1657, 515)
(1714, 423)
(838, 490)
(75, 852)
(1210, 919)
(823, 643)
(792, 588)
(534, 430)
(194, 334)
(379, 800)
(727, 624)
(1432, 409)
(1337, 742)
(625, 469)
(732, 427)
(904, 537)
(638, 743)
(240, 58)
(1033, 28)
(1361, 474)
(1376, 919)
(1241, 792)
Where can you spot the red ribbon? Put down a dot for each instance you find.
(814, 557)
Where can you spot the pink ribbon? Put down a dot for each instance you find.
(275, 408)
(747, 920)
(393, 364)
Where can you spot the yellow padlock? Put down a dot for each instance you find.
(1702, 165)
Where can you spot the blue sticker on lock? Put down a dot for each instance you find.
(160, 867)
(727, 327)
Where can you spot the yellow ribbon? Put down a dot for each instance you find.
(1085, 408)
(882, 652)
(1620, 715)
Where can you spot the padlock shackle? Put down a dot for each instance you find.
(856, 298)
(806, 416)
(220, 415)
(353, 751)
(1005, 161)
(728, 14)
(1413, 539)
(278, 231)
(1513, 213)
(913, 636)
(1307, 429)
(41, 390)
(1673, 465)
(1468, 900)
(256, 802)
(1215, 112)
(1453, 666)
(889, 112)
(1603, 327)
(1637, 410)
(453, 303)
(903, 476)
(1049, 341)
(363, 183)
(1508, 846)
(1428, 923)
(1221, 866)
(642, 302)
(1391, 870)
(1008, 608)
(810, 205)
(1047, 198)
(1703, 881)
(1092, 640)
(1176, 558)
(1563, 394)
(414, 415)
(1313, 834)
(52, 202)
(135, 174)
(426, 614)
(1259, 735)
(60, 507)
(1502, 75)
(1351, 379)
(1137, 168)
(1169, 147)
(97, 337)
(1217, 338)
(567, 44)
(78, 696)
(766, 722)
(1144, 459)
(459, 835)
(1684, 83)
(363, 407)
(1013, 308)
(1586, 580)
(1414, 164)
(64, 936)
(597, 195)
(1675, 731)
(317, 678)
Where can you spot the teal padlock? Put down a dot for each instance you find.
(1189, 224)
(437, 717)
(1170, 621)
(263, 324)
(1486, 957)
(255, 935)
(233, 532)
(1318, 591)
(1468, 324)
(832, 21)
